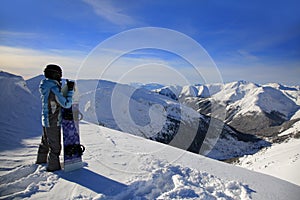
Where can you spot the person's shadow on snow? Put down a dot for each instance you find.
(94, 182)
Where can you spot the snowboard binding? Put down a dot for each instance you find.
(76, 149)
(72, 114)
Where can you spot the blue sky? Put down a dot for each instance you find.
(256, 41)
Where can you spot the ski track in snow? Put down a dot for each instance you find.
(279, 160)
(25, 181)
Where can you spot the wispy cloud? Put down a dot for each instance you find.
(110, 11)
(155, 48)
(5, 33)
(29, 62)
(261, 71)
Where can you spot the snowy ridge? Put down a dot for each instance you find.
(20, 110)
(292, 92)
(294, 130)
(251, 98)
(33, 85)
(248, 97)
(139, 104)
(180, 92)
(264, 105)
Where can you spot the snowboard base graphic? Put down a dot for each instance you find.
(72, 148)
(71, 140)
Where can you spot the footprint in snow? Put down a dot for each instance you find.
(25, 181)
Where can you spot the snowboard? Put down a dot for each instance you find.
(71, 139)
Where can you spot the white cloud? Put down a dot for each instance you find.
(4, 33)
(29, 62)
(284, 72)
(111, 12)
(144, 69)
(186, 58)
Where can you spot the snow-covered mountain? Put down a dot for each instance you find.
(18, 104)
(150, 115)
(262, 110)
(177, 92)
(33, 85)
(118, 165)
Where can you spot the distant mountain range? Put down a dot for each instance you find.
(145, 113)
(261, 110)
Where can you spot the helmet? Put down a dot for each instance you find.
(53, 71)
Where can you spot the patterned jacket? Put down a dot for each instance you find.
(52, 101)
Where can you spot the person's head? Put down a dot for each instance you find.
(53, 71)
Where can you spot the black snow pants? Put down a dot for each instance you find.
(50, 148)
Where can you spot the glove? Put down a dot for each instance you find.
(70, 85)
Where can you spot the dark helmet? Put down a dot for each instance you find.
(53, 71)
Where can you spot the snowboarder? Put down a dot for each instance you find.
(52, 102)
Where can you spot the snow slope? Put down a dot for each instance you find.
(292, 92)
(280, 160)
(33, 85)
(17, 105)
(123, 166)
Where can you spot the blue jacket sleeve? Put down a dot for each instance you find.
(65, 102)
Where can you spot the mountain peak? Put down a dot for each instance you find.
(9, 75)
